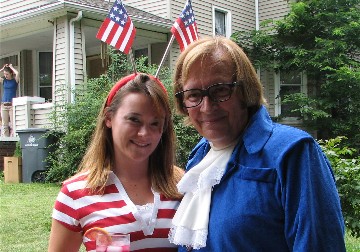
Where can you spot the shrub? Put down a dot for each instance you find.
(347, 174)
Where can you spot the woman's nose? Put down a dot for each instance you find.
(143, 130)
(207, 104)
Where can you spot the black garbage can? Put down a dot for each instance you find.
(35, 146)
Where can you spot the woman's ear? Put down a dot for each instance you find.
(107, 119)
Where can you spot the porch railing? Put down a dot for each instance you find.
(30, 112)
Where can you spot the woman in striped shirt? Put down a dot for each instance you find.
(126, 182)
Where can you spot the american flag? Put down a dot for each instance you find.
(185, 28)
(117, 29)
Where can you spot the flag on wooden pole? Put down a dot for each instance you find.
(117, 29)
(185, 29)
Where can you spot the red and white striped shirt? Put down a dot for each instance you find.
(79, 210)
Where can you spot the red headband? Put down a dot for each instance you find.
(122, 82)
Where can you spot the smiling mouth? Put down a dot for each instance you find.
(211, 120)
(140, 144)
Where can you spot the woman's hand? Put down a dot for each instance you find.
(3, 67)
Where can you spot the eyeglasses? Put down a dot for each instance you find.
(219, 92)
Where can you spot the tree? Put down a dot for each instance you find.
(322, 39)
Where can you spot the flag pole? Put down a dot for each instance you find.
(132, 60)
(165, 55)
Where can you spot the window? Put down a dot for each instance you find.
(45, 75)
(13, 59)
(221, 22)
(285, 84)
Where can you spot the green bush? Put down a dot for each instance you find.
(347, 174)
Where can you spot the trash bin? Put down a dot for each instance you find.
(35, 147)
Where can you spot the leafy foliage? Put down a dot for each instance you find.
(187, 137)
(347, 174)
(77, 120)
(317, 37)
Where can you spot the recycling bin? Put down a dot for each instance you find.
(36, 143)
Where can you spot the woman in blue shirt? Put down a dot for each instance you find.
(251, 184)
(10, 83)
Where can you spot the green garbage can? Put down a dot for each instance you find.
(35, 145)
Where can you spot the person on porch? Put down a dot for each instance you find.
(9, 82)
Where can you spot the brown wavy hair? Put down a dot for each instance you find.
(99, 157)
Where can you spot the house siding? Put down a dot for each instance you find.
(79, 55)
(273, 9)
(18, 5)
(62, 68)
(242, 18)
(156, 7)
(61, 61)
(242, 14)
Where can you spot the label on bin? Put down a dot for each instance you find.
(31, 142)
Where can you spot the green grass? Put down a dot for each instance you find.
(352, 243)
(25, 217)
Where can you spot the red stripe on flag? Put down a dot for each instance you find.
(176, 30)
(179, 40)
(186, 35)
(123, 34)
(193, 32)
(131, 39)
(184, 28)
(102, 29)
(112, 33)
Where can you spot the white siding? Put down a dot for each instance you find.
(79, 54)
(156, 7)
(14, 6)
(41, 115)
(31, 112)
(272, 9)
(61, 56)
(242, 13)
(62, 59)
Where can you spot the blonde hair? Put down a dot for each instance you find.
(215, 50)
(99, 157)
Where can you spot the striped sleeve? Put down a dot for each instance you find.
(65, 210)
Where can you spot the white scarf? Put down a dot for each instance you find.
(190, 223)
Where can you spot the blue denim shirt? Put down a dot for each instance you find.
(278, 194)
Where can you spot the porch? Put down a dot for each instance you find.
(28, 112)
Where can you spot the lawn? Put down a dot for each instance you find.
(25, 217)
